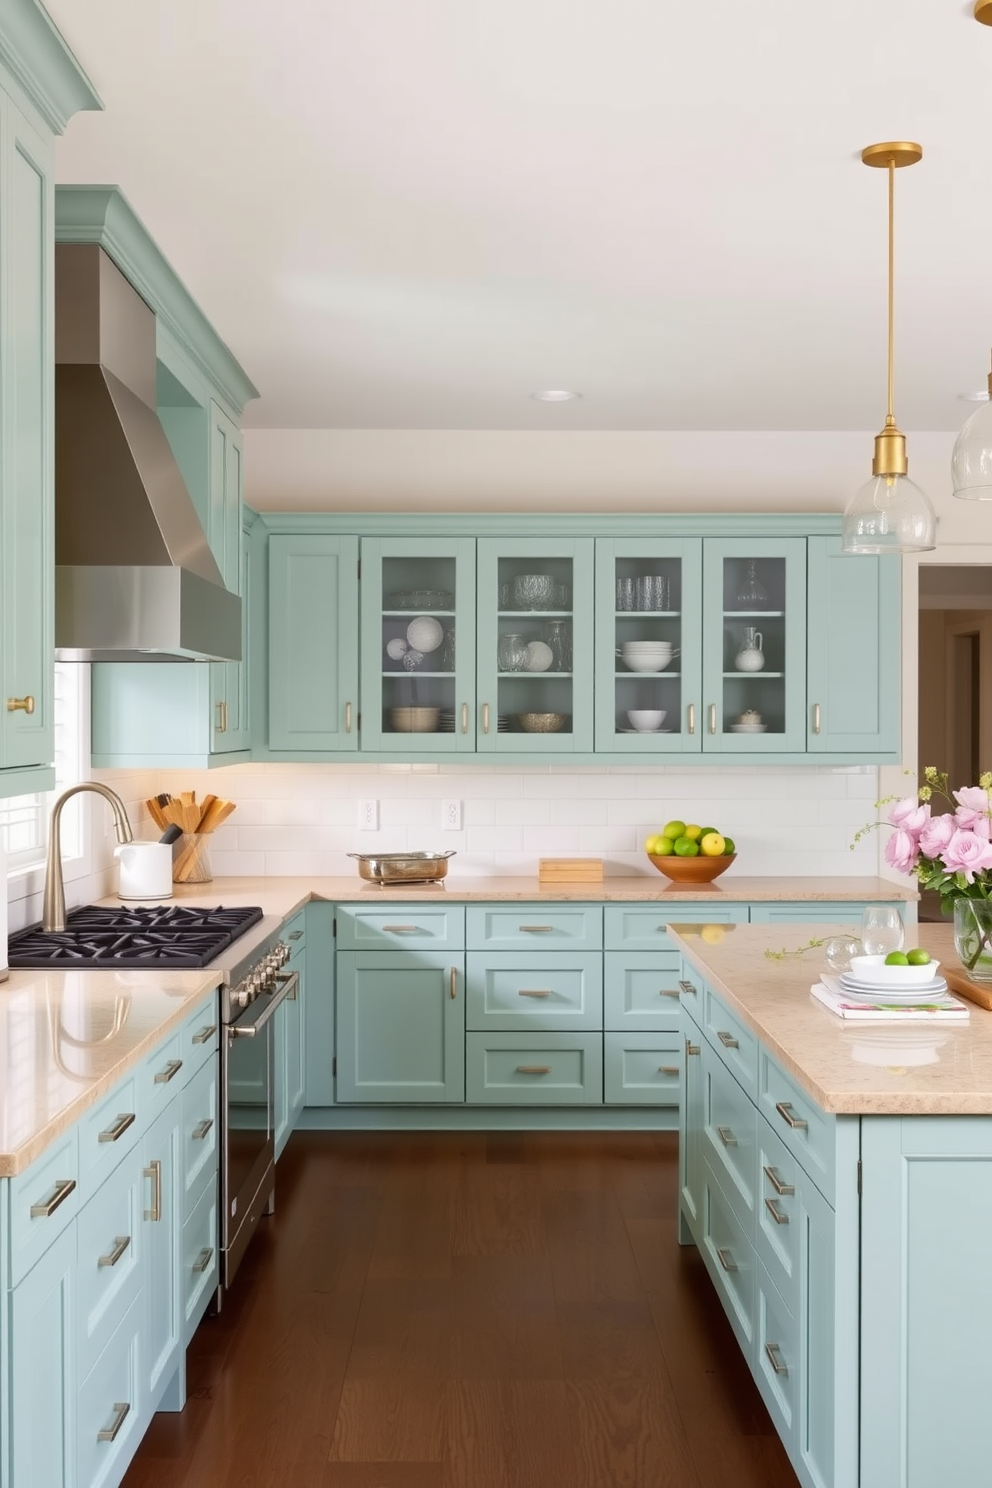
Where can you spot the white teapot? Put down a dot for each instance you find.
(750, 658)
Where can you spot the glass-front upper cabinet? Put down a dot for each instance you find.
(754, 645)
(648, 646)
(418, 645)
(535, 645)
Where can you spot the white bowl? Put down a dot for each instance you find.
(646, 663)
(646, 720)
(874, 969)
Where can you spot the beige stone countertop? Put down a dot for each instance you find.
(283, 896)
(896, 1069)
(69, 1036)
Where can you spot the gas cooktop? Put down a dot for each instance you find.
(176, 935)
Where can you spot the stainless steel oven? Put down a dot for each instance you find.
(247, 1058)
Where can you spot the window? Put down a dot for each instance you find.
(24, 819)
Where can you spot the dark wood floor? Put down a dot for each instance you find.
(465, 1310)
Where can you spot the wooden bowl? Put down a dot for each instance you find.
(698, 870)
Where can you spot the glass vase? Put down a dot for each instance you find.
(973, 937)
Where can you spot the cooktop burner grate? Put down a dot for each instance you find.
(178, 935)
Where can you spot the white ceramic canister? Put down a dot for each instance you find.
(145, 870)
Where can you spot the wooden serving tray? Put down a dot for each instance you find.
(958, 981)
(570, 870)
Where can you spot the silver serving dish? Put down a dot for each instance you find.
(402, 868)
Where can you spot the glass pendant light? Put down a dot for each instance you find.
(890, 514)
(971, 462)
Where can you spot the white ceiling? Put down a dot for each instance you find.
(413, 213)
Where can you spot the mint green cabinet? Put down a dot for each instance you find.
(400, 1027)
(853, 652)
(40, 1442)
(289, 1094)
(418, 643)
(225, 530)
(162, 1331)
(313, 653)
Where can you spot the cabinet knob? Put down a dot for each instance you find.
(20, 705)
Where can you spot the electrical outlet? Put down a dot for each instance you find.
(451, 816)
(368, 816)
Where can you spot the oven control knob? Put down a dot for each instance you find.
(241, 995)
(283, 952)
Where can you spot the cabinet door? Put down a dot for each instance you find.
(229, 679)
(853, 651)
(401, 1027)
(418, 645)
(43, 1385)
(648, 699)
(691, 1134)
(313, 647)
(26, 445)
(754, 645)
(536, 646)
(162, 1223)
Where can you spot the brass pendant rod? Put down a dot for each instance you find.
(890, 417)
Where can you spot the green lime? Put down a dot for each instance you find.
(684, 847)
(897, 958)
(728, 846)
(662, 847)
(918, 957)
(673, 829)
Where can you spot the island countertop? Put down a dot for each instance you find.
(891, 1068)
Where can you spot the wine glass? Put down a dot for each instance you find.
(881, 930)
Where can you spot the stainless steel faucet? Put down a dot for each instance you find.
(53, 906)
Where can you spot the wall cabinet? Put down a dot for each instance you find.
(543, 645)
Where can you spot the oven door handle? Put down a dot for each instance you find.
(288, 982)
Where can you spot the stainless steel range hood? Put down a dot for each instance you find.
(135, 579)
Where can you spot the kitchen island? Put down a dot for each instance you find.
(837, 1179)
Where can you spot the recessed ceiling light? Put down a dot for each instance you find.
(981, 396)
(556, 395)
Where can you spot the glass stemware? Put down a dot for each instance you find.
(751, 595)
(881, 930)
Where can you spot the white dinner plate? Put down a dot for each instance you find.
(901, 998)
(884, 984)
(647, 731)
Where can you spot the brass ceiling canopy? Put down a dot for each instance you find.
(983, 12)
(898, 153)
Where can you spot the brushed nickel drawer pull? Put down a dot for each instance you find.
(726, 1136)
(712, 718)
(453, 982)
(120, 1126)
(169, 1073)
(63, 1188)
(204, 1258)
(691, 718)
(726, 1259)
(206, 1032)
(772, 1206)
(347, 718)
(816, 718)
(154, 1172)
(400, 929)
(524, 992)
(20, 705)
(201, 1128)
(778, 1364)
(668, 1069)
(780, 1188)
(668, 991)
(784, 1109)
(109, 1433)
(687, 988)
(691, 1048)
(727, 1039)
(533, 1069)
(535, 929)
(295, 935)
(121, 1243)
(464, 718)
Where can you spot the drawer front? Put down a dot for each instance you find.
(554, 991)
(555, 1069)
(732, 1040)
(819, 912)
(807, 1132)
(161, 1076)
(779, 1229)
(400, 927)
(641, 927)
(109, 1131)
(200, 1038)
(641, 990)
(199, 1258)
(730, 1137)
(109, 1261)
(729, 1259)
(51, 1187)
(294, 932)
(641, 1069)
(110, 1408)
(534, 927)
(199, 1135)
(776, 1357)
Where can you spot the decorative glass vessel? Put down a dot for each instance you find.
(752, 595)
(558, 635)
(513, 653)
(973, 937)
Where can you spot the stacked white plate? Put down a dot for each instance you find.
(870, 980)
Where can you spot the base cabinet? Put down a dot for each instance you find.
(40, 1449)
(401, 1026)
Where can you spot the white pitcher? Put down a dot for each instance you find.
(750, 658)
(146, 870)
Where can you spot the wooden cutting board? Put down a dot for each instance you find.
(959, 982)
